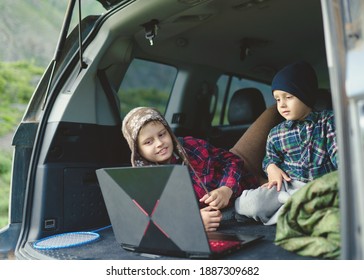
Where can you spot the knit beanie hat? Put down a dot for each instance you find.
(298, 79)
(131, 126)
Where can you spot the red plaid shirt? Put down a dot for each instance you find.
(215, 167)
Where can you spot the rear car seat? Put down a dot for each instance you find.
(244, 108)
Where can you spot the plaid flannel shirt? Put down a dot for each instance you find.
(215, 167)
(306, 149)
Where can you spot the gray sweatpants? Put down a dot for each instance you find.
(263, 204)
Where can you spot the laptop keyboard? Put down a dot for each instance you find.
(223, 245)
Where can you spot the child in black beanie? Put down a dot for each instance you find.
(298, 150)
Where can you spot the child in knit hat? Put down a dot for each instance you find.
(218, 176)
(298, 150)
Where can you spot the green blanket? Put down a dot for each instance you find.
(309, 222)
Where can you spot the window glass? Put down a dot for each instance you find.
(146, 84)
(88, 8)
(227, 85)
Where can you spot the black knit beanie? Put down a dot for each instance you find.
(298, 79)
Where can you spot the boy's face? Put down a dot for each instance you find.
(290, 107)
(155, 143)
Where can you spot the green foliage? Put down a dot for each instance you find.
(9, 117)
(5, 163)
(5, 174)
(17, 82)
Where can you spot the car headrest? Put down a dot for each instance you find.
(245, 106)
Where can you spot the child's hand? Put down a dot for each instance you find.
(211, 218)
(275, 177)
(218, 198)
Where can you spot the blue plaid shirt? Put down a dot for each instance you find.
(306, 149)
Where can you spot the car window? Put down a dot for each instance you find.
(88, 8)
(227, 85)
(146, 83)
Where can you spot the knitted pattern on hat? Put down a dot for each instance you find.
(134, 121)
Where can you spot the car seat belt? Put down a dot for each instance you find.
(110, 94)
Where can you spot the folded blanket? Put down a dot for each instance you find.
(309, 223)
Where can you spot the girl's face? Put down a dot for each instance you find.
(155, 143)
(290, 107)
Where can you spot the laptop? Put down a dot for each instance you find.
(154, 210)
